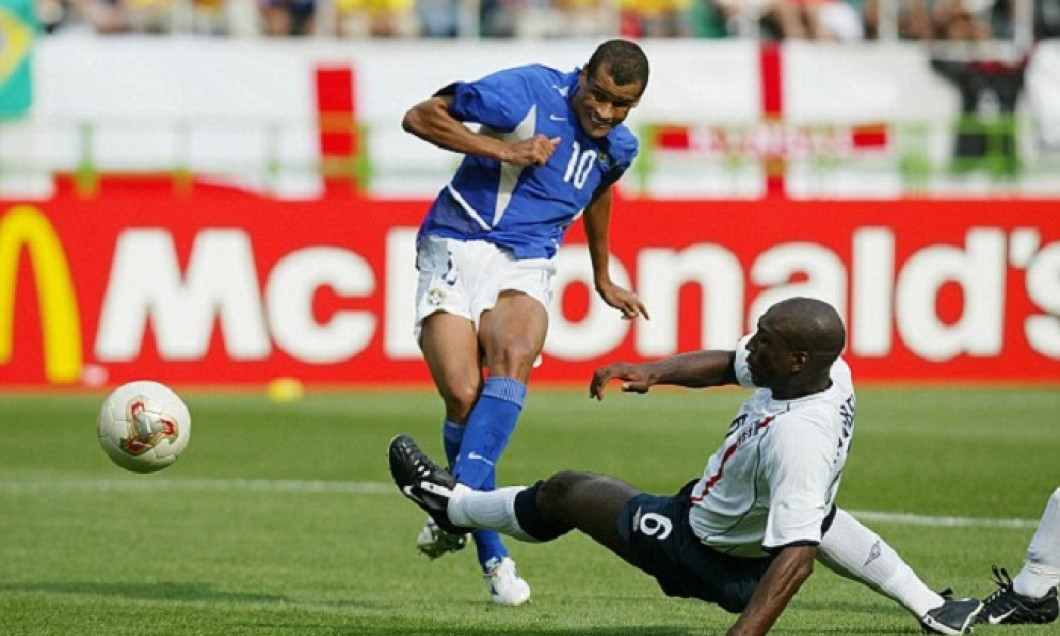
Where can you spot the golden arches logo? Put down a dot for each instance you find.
(25, 226)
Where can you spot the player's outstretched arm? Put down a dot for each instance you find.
(597, 220)
(693, 370)
(782, 580)
(430, 120)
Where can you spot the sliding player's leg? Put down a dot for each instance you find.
(856, 552)
(1031, 597)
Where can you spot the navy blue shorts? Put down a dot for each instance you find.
(657, 529)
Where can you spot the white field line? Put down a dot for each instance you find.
(904, 519)
(151, 483)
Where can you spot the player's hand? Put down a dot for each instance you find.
(532, 152)
(623, 300)
(633, 377)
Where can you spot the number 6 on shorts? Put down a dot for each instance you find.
(655, 525)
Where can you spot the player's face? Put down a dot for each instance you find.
(600, 104)
(769, 356)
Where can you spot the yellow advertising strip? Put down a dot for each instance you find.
(25, 226)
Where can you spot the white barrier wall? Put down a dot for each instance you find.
(1043, 91)
(224, 106)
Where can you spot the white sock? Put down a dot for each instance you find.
(1041, 570)
(488, 510)
(852, 550)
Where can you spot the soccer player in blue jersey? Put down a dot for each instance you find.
(547, 149)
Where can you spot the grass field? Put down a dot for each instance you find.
(280, 518)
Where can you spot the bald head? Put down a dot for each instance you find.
(810, 325)
(793, 349)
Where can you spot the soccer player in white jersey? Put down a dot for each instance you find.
(746, 534)
(548, 148)
(1031, 597)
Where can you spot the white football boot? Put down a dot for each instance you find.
(506, 587)
(433, 542)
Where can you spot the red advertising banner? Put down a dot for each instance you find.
(222, 288)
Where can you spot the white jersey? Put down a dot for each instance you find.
(775, 477)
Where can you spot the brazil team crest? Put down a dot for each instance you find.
(436, 296)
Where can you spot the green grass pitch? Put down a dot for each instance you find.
(280, 518)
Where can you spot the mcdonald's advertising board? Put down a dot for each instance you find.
(228, 289)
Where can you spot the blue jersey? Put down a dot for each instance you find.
(526, 210)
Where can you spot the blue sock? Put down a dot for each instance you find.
(486, 435)
(488, 430)
(488, 544)
(452, 436)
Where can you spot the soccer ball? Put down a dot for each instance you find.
(143, 426)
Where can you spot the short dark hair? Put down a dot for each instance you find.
(813, 326)
(625, 62)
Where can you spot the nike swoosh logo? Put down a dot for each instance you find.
(1000, 618)
(476, 457)
(407, 490)
(557, 118)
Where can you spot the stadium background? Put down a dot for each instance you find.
(218, 212)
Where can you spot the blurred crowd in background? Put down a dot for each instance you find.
(834, 20)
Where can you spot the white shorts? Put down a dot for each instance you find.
(464, 278)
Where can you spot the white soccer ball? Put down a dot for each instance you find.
(143, 426)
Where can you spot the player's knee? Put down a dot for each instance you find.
(514, 359)
(459, 399)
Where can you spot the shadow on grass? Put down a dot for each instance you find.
(853, 607)
(846, 630)
(522, 630)
(633, 630)
(403, 626)
(167, 591)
